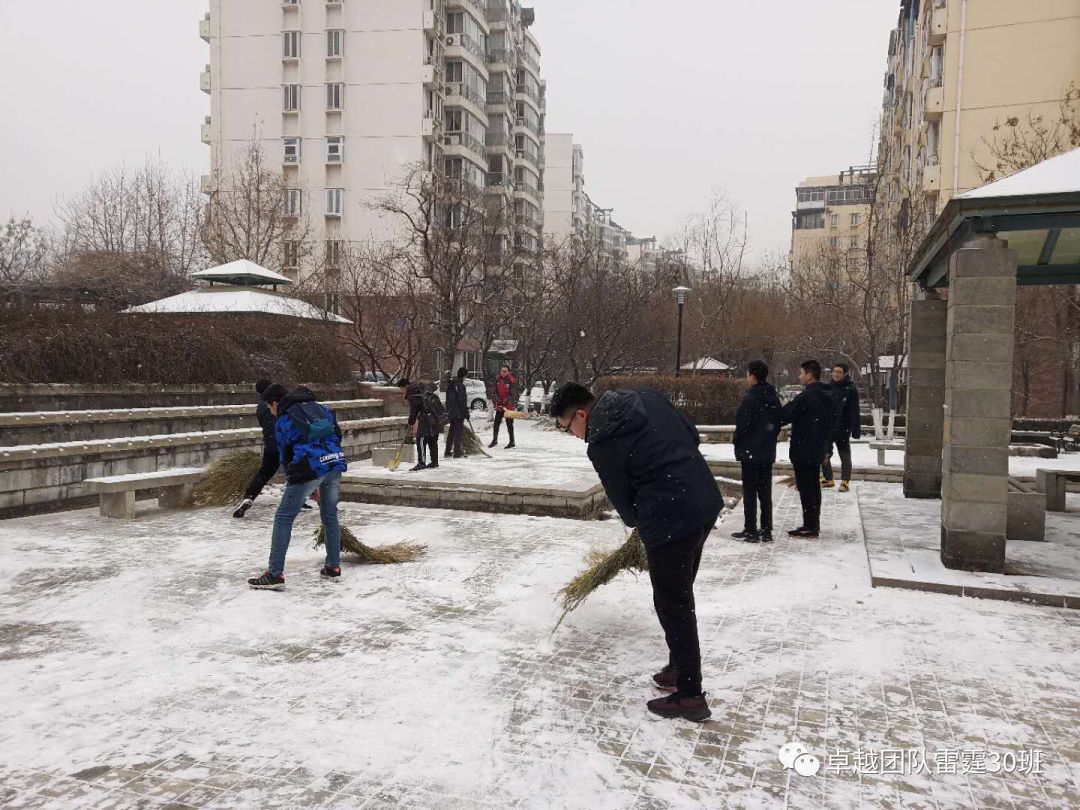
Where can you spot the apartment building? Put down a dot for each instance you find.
(955, 69)
(831, 217)
(348, 96)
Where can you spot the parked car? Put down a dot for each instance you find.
(376, 377)
(538, 400)
(476, 391)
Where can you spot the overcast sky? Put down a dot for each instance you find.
(669, 99)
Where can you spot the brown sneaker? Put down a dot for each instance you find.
(679, 705)
(826, 484)
(667, 679)
(844, 486)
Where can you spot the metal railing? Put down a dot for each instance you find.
(524, 89)
(497, 139)
(495, 97)
(463, 90)
(467, 140)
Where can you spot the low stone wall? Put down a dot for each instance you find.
(393, 400)
(51, 427)
(725, 434)
(732, 469)
(48, 477)
(49, 397)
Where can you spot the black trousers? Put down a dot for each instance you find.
(809, 486)
(844, 447)
(673, 568)
(269, 468)
(498, 421)
(431, 443)
(757, 488)
(454, 437)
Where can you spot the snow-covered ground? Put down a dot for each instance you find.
(138, 670)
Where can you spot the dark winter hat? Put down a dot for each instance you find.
(462, 373)
(261, 386)
(274, 393)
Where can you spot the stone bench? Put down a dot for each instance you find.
(1051, 483)
(881, 447)
(382, 456)
(117, 492)
(1025, 512)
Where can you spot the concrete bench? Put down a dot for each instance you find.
(1052, 484)
(1025, 512)
(117, 492)
(881, 447)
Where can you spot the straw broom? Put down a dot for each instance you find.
(373, 555)
(471, 443)
(601, 569)
(227, 478)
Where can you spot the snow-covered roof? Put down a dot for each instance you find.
(1058, 175)
(241, 271)
(886, 362)
(237, 299)
(706, 364)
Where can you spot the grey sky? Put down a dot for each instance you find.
(669, 100)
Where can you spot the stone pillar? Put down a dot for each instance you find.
(925, 396)
(978, 404)
(117, 504)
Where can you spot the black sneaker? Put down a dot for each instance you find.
(308, 505)
(746, 535)
(267, 582)
(765, 536)
(667, 679)
(680, 705)
(804, 533)
(333, 574)
(434, 466)
(242, 508)
(511, 446)
(419, 467)
(494, 443)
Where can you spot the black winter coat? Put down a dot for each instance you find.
(457, 404)
(426, 427)
(757, 425)
(810, 415)
(646, 454)
(267, 420)
(845, 409)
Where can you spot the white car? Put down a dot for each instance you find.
(476, 394)
(538, 399)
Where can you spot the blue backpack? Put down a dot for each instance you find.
(316, 450)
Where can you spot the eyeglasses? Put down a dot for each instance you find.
(570, 425)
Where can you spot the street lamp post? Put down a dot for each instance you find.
(680, 299)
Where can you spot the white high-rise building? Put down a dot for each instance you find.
(350, 95)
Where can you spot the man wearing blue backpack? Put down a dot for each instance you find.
(309, 441)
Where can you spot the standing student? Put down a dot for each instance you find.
(810, 417)
(457, 411)
(646, 454)
(309, 442)
(268, 393)
(506, 397)
(846, 426)
(757, 427)
(425, 425)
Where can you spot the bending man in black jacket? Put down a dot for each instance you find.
(846, 425)
(270, 462)
(646, 454)
(810, 417)
(757, 427)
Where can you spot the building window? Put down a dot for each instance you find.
(291, 203)
(334, 250)
(834, 241)
(454, 168)
(335, 40)
(335, 95)
(292, 98)
(809, 220)
(454, 72)
(856, 220)
(290, 45)
(291, 2)
(335, 149)
(834, 220)
(334, 198)
(290, 254)
(292, 150)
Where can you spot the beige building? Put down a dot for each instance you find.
(957, 67)
(349, 95)
(831, 217)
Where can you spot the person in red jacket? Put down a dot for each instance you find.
(506, 397)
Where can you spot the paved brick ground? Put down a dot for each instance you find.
(138, 672)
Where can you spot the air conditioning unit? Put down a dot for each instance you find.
(451, 41)
(452, 140)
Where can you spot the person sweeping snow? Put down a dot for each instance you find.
(646, 454)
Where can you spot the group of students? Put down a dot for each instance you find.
(428, 415)
(822, 416)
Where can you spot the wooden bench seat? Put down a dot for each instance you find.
(117, 492)
(881, 447)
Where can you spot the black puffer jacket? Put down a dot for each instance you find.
(810, 416)
(267, 420)
(845, 409)
(457, 401)
(646, 454)
(426, 426)
(757, 425)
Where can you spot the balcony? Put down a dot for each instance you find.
(934, 105)
(931, 179)
(204, 27)
(501, 56)
(498, 180)
(204, 130)
(204, 80)
(463, 90)
(530, 60)
(499, 98)
(467, 43)
(464, 139)
(527, 154)
(527, 221)
(528, 92)
(939, 26)
(524, 123)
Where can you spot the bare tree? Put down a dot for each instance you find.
(1017, 144)
(23, 250)
(254, 214)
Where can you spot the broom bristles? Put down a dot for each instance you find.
(375, 555)
(601, 568)
(227, 478)
(472, 445)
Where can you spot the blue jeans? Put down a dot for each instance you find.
(291, 504)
